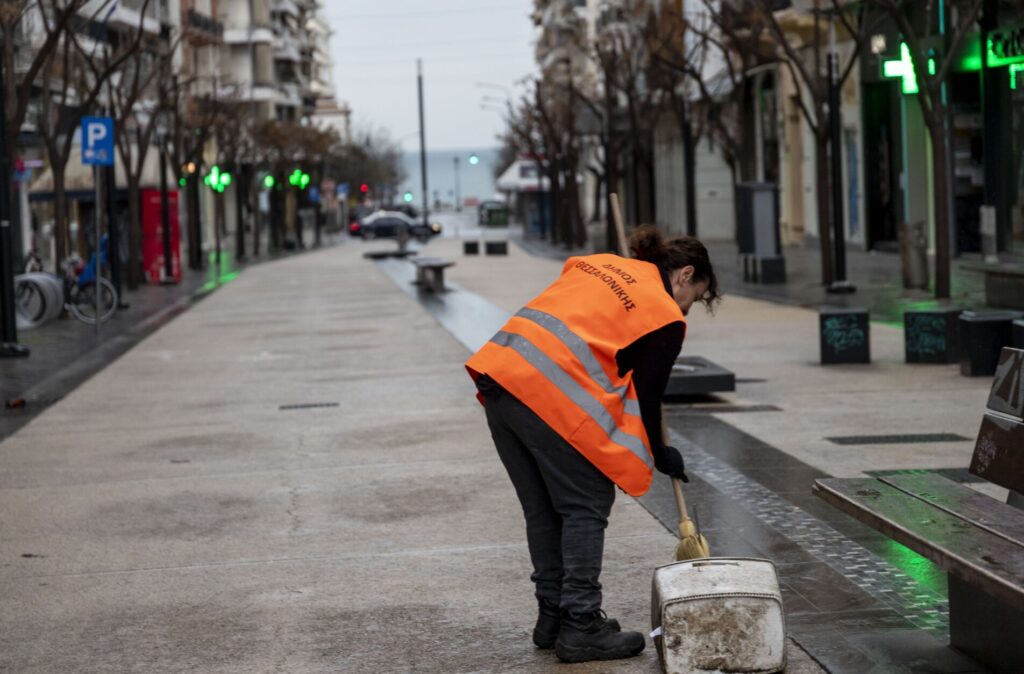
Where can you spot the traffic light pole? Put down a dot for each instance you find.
(9, 347)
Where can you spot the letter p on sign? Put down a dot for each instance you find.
(98, 141)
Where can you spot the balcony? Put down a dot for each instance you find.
(248, 35)
(201, 29)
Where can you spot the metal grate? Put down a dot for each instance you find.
(907, 439)
(728, 409)
(306, 406)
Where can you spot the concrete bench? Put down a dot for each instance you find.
(977, 540)
(1004, 283)
(430, 272)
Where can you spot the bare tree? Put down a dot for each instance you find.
(916, 21)
(137, 102)
(805, 64)
(31, 32)
(81, 70)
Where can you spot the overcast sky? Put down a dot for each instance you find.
(462, 43)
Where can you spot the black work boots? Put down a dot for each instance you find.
(545, 632)
(549, 622)
(584, 638)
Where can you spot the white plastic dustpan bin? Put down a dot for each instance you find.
(718, 615)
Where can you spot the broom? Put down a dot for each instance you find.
(692, 544)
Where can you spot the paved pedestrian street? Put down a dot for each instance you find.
(294, 476)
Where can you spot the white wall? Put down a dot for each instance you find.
(715, 202)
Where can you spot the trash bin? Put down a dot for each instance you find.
(914, 254)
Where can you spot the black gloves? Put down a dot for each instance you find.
(670, 462)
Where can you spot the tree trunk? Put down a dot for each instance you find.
(689, 169)
(134, 276)
(823, 194)
(943, 218)
(555, 193)
(254, 208)
(60, 217)
(240, 194)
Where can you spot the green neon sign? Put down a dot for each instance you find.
(216, 179)
(903, 69)
(299, 179)
(1004, 49)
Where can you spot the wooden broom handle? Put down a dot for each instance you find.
(677, 485)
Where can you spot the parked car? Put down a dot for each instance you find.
(387, 224)
(354, 218)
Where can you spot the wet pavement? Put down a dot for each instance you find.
(855, 600)
(66, 352)
(319, 493)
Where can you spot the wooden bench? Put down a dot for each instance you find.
(977, 540)
(430, 272)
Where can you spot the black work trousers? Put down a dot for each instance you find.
(565, 499)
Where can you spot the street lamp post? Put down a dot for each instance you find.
(9, 347)
(423, 144)
(458, 193)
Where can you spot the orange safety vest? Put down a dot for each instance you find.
(557, 356)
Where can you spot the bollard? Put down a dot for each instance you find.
(932, 336)
(496, 247)
(845, 336)
(983, 334)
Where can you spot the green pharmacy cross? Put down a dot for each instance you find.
(216, 179)
(904, 70)
(298, 179)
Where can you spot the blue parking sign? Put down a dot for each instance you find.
(98, 141)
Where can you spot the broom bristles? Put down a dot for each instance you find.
(692, 545)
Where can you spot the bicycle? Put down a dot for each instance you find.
(37, 293)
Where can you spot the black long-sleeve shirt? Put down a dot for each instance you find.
(650, 358)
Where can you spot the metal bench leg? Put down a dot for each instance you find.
(438, 284)
(421, 277)
(985, 628)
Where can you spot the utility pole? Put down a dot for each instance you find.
(423, 144)
(9, 347)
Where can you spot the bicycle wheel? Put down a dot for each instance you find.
(30, 300)
(82, 302)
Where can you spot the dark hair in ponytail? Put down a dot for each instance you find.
(648, 244)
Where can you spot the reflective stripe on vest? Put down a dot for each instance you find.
(582, 351)
(573, 391)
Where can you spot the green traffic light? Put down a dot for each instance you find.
(181, 182)
(407, 197)
(268, 182)
(474, 160)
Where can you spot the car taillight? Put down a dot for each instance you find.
(354, 227)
